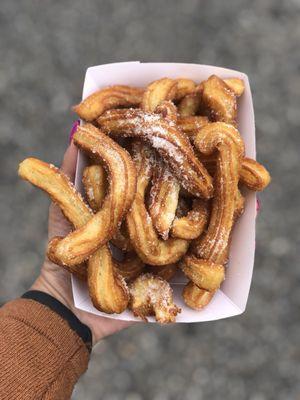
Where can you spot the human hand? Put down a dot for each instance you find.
(56, 281)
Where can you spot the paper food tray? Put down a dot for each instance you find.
(231, 299)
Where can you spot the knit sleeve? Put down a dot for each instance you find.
(41, 357)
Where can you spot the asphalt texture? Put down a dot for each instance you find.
(45, 50)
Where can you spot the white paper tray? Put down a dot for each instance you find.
(231, 299)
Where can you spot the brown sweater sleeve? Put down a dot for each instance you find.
(41, 357)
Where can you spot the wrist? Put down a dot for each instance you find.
(55, 281)
(43, 285)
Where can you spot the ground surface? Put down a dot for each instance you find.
(45, 49)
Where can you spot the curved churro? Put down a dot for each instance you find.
(95, 185)
(165, 187)
(77, 246)
(219, 100)
(62, 192)
(151, 295)
(205, 274)
(254, 175)
(172, 145)
(227, 140)
(196, 298)
(143, 237)
(193, 224)
(107, 98)
(108, 291)
(158, 91)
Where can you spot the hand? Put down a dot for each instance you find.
(56, 281)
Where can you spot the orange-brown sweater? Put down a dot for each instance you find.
(41, 354)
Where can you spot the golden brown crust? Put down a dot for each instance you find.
(143, 236)
(107, 288)
(109, 293)
(95, 185)
(205, 274)
(227, 140)
(173, 146)
(59, 187)
(184, 88)
(158, 91)
(107, 98)
(254, 175)
(196, 298)
(189, 105)
(165, 187)
(219, 100)
(193, 224)
(80, 244)
(191, 125)
(237, 85)
(164, 195)
(151, 295)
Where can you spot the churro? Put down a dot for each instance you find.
(79, 245)
(107, 98)
(108, 291)
(193, 223)
(219, 100)
(143, 236)
(172, 145)
(151, 295)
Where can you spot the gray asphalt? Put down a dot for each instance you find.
(45, 49)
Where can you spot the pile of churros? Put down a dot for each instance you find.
(166, 165)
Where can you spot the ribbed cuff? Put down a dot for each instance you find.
(82, 330)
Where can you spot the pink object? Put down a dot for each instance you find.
(258, 205)
(73, 130)
(232, 297)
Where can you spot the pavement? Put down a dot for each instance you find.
(45, 50)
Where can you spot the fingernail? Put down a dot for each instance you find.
(73, 130)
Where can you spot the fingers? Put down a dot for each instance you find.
(69, 161)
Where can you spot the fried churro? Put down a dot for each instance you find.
(219, 100)
(172, 145)
(105, 99)
(142, 234)
(79, 245)
(227, 141)
(151, 295)
(193, 224)
(101, 274)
